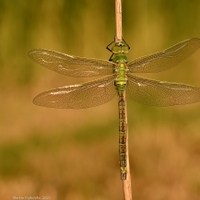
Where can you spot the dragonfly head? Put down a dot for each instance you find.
(120, 48)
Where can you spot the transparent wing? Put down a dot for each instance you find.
(79, 96)
(71, 65)
(160, 93)
(165, 59)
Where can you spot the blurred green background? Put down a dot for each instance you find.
(73, 154)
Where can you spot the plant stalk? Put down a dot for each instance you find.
(127, 189)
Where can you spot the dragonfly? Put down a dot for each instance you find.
(117, 76)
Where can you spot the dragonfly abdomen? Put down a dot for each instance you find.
(122, 136)
(120, 85)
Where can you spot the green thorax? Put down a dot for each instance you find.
(119, 50)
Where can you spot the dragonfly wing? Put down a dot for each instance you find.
(71, 65)
(79, 96)
(165, 59)
(160, 93)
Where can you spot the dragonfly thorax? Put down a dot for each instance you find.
(117, 58)
(121, 79)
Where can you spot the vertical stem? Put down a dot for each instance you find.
(118, 20)
(127, 189)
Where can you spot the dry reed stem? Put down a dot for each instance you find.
(127, 189)
(118, 20)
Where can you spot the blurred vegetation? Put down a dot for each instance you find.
(69, 154)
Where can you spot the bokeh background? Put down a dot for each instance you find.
(73, 154)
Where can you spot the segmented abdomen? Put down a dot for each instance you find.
(122, 136)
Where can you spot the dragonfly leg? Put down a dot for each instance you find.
(126, 43)
(110, 49)
(108, 46)
(111, 57)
